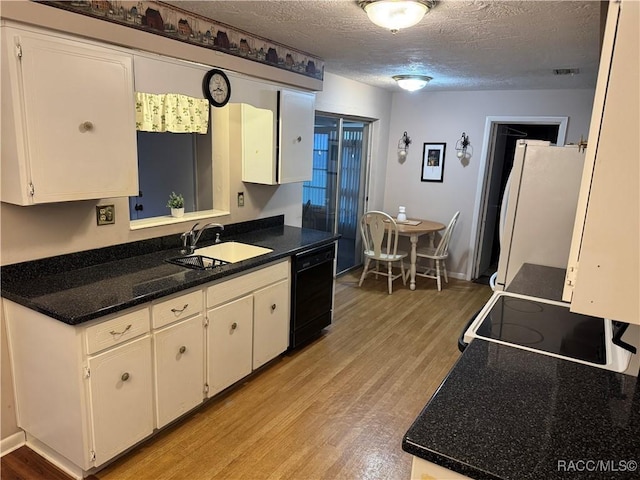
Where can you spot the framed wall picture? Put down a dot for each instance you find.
(433, 162)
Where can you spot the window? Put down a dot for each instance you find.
(172, 162)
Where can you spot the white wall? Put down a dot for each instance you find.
(351, 98)
(442, 117)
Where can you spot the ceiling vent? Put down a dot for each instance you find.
(566, 71)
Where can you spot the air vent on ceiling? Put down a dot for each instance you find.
(566, 71)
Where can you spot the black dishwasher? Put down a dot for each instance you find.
(311, 294)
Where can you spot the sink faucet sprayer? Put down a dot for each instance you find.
(191, 237)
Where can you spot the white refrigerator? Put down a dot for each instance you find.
(538, 208)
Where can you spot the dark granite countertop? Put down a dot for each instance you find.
(509, 414)
(539, 281)
(79, 287)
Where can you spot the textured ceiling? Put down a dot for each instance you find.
(463, 45)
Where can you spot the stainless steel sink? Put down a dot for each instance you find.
(232, 252)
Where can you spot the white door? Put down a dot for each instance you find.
(121, 399)
(80, 124)
(270, 322)
(502, 135)
(229, 339)
(296, 136)
(179, 360)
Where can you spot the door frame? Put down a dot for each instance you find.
(365, 172)
(484, 173)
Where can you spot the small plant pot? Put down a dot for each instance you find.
(177, 212)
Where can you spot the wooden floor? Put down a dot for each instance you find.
(335, 409)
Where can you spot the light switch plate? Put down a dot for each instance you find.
(241, 199)
(106, 214)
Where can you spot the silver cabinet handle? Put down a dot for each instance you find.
(234, 325)
(273, 307)
(180, 310)
(182, 349)
(86, 127)
(124, 377)
(114, 333)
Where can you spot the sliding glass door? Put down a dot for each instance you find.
(333, 201)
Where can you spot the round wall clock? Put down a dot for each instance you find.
(216, 87)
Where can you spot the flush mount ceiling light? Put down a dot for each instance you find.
(396, 14)
(412, 83)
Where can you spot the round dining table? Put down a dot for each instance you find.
(415, 228)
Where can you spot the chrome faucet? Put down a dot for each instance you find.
(191, 237)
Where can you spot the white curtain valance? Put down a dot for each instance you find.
(171, 112)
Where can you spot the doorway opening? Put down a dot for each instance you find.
(333, 200)
(501, 137)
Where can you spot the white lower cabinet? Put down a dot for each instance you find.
(87, 393)
(422, 469)
(120, 397)
(179, 369)
(270, 322)
(229, 343)
(84, 393)
(248, 324)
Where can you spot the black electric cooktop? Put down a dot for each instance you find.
(547, 327)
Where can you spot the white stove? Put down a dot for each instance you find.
(548, 327)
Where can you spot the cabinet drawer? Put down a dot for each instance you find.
(236, 287)
(117, 330)
(177, 308)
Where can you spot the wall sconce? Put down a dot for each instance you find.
(464, 148)
(403, 147)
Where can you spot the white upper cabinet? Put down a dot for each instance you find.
(604, 265)
(295, 136)
(68, 119)
(246, 134)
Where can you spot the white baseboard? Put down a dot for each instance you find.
(457, 275)
(12, 442)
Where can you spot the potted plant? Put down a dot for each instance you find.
(176, 204)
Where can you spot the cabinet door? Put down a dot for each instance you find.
(270, 322)
(297, 115)
(121, 401)
(179, 361)
(258, 155)
(604, 263)
(229, 343)
(79, 119)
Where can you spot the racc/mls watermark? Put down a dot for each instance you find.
(597, 465)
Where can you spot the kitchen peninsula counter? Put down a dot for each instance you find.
(78, 287)
(509, 414)
(504, 413)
